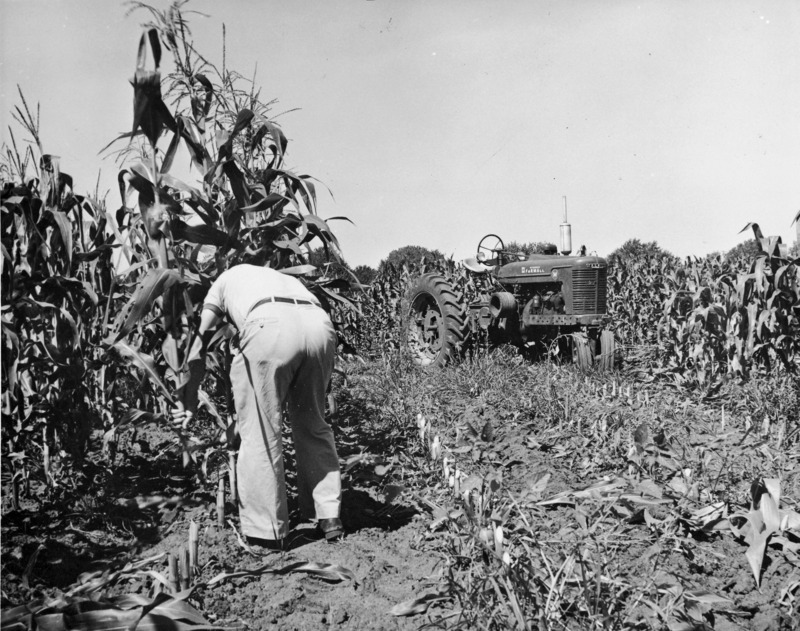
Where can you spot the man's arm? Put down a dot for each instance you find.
(209, 319)
(187, 394)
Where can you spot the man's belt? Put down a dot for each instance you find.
(293, 301)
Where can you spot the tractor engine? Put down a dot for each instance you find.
(550, 291)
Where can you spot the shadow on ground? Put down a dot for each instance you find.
(48, 544)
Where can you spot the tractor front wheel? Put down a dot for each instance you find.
(608, 351)
(435, 322)
(581, 353)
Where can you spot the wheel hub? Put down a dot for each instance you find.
(424, 330)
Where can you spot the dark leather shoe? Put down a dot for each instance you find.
(274, 545)
(332, 528)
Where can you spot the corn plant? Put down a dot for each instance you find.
(57, 278)
(98, 301)
(245, 206)
(702, 320)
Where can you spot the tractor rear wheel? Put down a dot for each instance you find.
(434, 322)
(581, 353)
(608, 351)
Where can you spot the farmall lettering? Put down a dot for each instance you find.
(532, 270)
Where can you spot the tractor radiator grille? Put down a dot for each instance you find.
(589, 288)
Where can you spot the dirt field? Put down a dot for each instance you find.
(596, 536)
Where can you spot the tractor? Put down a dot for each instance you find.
(542, 303)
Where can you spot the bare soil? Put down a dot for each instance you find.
(391, 549)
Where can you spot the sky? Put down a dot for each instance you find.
(435, 122)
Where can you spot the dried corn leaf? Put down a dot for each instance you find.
(321, 570)
(790, 520)
(707, 598)
(324, 571)
(641, 499)
(416, 606)
(131, 611)
(649, 487)
(599, 490)
(535, 489)
(713, 517)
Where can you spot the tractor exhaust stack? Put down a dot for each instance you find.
(566, 233)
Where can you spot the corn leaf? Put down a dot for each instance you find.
(755, 553)
(131, 611)
(149, 501)
(277, 136)
(206, 402)
(169, 155)
(203, 234)
(147, 364)
(317, 227)
(321, 570)
(290, 244)
(335, 573)
(155, 282)
(169, 350)
(298, 270)
(769, 506)
(65, 229)
(201, 111)
(340, 218)
(416, 606)
(707, 598)
(790, 520)
(175, 609)
(264, 203)
(243, 118)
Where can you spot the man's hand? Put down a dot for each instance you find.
(181, 416)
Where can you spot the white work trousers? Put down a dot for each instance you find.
(285, 362)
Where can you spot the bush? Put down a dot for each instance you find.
(408, 256)
(748, 250)
(328, 265)
(634, 250)
(529, 248)
(365, 274)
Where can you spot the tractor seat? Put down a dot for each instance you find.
(474, 265)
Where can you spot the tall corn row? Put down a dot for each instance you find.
(95, 301)
(57, 280)
(703, 319)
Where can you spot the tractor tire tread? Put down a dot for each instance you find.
(454, 330)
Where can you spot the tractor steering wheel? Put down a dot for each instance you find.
(491, 244)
